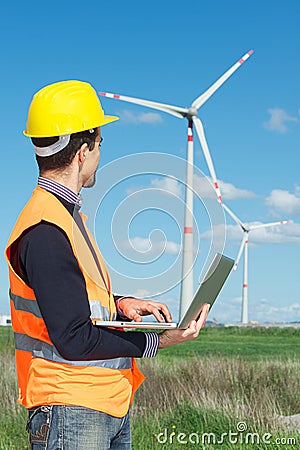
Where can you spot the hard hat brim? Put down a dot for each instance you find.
(109, 119)
(104, 121)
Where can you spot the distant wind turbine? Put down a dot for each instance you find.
(191, 114)
(244, 248)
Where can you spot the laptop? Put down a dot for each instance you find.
(207, 292)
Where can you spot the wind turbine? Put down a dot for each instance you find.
(191, 114)
(244, 248)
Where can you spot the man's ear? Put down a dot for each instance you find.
(82, 152)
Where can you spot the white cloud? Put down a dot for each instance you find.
(268, 313)
(236, 300)
(279, 234)
(172, 248)
(263, 301)
(233, 232)
(169, 185)
(204, 188)
(144, 245)
(230, 192)
(278, 120)
(285, 202)
(141, 293)
(130, 117)
(140, 244)
(229, 311)
(287, 233)
(293, 232)
(294, 308)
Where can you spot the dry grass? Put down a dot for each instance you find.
(8, 387)
(198, 392)
(259, 391)
(12, 416)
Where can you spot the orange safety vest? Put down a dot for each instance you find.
(44, 376)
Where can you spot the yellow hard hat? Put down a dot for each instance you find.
(64, 108)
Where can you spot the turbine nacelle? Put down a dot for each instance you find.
(192, 112)
(245, 228)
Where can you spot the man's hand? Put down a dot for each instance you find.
(134, 309)
(177, 336)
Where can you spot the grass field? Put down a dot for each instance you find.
(202, 394)
(247, 343)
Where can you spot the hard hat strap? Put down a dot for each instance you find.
(53, 148)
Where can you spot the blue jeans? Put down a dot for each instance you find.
(77, 428)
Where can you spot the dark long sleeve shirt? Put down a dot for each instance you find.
(44, 259)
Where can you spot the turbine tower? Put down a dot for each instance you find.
(191, 114)
(244, 248)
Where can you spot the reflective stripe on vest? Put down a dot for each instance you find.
(44, 376)
(40, 349)
(24, 304)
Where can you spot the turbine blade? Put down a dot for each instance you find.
(202, 139)
(266, 225)
(234, 217)
(176, 111)
(244, 241)
(212, 89)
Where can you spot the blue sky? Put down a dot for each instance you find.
(170, 52)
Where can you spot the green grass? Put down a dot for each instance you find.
(6, 340)
(12, 416)
(247, 343)
(13, 435)
(186, 426)
(226, 376)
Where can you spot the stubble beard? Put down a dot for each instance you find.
(91, 181)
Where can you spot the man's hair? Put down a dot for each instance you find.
(63, 159)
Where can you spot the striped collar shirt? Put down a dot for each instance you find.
(59, 189)
(152, 339)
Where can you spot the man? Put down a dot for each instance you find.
(76, 379)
